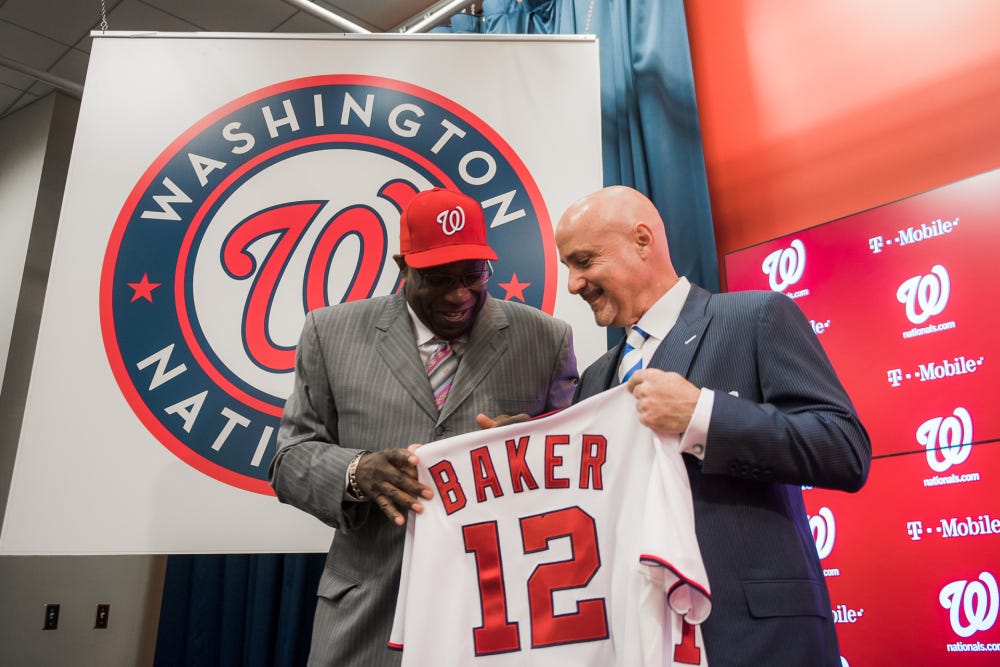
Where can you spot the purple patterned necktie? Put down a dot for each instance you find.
(441, 366)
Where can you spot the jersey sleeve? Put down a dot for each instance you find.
(670, 544)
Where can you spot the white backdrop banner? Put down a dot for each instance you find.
(221, 186)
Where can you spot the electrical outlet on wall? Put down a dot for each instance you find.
(101, 620)
(51, 617)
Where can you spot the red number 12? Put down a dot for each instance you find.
(498, 634)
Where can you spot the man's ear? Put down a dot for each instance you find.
(642, 236)
(403, 268)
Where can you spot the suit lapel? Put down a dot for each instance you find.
(677, 350)
(608, 368)
(600, 375)
(482, 351)
(398, 348)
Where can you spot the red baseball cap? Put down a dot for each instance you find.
(440, 226)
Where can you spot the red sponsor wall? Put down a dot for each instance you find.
(896, 296)
(877, 118)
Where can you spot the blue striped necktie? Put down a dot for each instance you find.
(441, 367)
(632, 357)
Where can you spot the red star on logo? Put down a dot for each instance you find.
(143, 289)
(515, 289)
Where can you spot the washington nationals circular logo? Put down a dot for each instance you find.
(282, 201)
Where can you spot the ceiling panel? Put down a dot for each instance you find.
(38, 90)
(56, 19)
(8, 95)
(29, 48)
(72, 66)
(53, 36)
(390, 15)
(303, 22)
(14, 80)
(138, 15)
(22, 100)
(228, 15)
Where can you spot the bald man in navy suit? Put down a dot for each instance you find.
(761, 412)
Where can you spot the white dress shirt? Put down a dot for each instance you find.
(657, 322)
(425, 339)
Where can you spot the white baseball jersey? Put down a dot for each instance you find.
(567, 540)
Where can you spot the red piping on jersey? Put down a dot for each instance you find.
(653, 560)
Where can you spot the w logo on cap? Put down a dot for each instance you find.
(452, 220)
(440, 226)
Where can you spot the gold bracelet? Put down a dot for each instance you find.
(352, 476)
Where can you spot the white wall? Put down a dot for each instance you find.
(23, 137)
(35, 145)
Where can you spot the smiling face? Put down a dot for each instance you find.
(602, 270)
(445, 297)
(615, 248)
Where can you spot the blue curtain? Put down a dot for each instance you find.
(651, 133)
(231, 610)
(257, 609)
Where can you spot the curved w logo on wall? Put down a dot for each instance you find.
(785, 267)
(282, 201)
(948, 440)
(974, 605)
(824, 530)
(926, 295)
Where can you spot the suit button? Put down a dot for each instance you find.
(438, 430)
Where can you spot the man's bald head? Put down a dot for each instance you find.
(615, 246)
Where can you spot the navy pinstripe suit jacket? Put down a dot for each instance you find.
(792, 424)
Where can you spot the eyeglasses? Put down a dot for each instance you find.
(449, 281)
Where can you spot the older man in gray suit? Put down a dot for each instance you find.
(761, 413)
(373, 377)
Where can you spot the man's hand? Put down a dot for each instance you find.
(500, 420)
(389, 479)
(665, 401)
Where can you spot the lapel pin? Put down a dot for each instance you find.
(690, 339)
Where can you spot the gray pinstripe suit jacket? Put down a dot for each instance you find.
(792, 424)
(360, 384)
